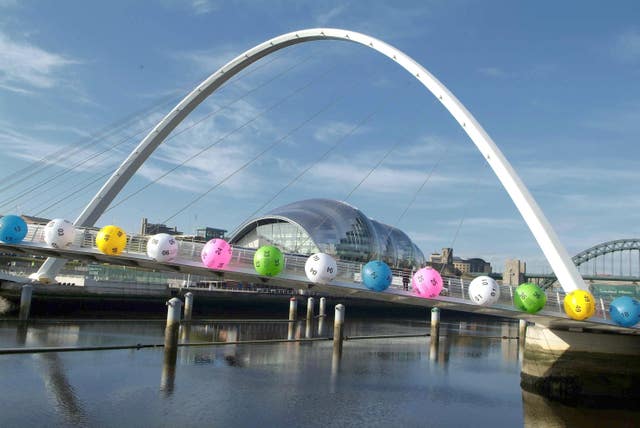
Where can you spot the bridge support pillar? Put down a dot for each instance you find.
(25, 302)
(592, 369)
(435, 334)
(174, 309)
(522, 329)
(308, 330)
(338, 324)
(322, 311)
(321, 322)
(310, 302)
(188, 306)
(293, 309)
(435, 323)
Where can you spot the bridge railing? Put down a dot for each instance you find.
(294, 264)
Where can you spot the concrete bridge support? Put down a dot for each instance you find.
(582, 368)
(174, 310)
(188, 306)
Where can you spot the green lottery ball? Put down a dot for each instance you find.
(268, 261)
(529, 298)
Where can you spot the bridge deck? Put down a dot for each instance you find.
(293, 276)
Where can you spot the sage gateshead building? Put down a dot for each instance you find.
(332, 227)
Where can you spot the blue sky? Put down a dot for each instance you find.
(554, 83)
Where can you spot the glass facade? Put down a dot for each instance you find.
(332, 227)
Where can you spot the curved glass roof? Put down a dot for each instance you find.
(330, 226)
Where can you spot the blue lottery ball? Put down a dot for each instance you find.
(13, 229)
(376, 275)
(625, 311)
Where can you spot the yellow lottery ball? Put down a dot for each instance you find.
(579, 305)
(111, 240)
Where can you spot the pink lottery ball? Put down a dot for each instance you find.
(216, 253)
(427, 282)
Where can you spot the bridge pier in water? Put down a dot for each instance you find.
(310, 303)
(293, 309)
(338, 334)
(584, 368)
(174, 309)
(435, 334)
(188, 306)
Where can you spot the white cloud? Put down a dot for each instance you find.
(493, 72)
(537, 175)
(51, 144)
(25, 67)
(327, 17)
(212, 150)
(54, 127)
(15, 89)
(203, 6)
(487, 222)
(622, 121)
(388, 18)
(208, 60)
(344, 173)
(334, 130)
(627, 45)
(197, 7)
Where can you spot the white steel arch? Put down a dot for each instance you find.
(558, 258)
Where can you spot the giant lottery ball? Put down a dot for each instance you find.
(13, 229)
(529, 298)
(427, 282)
(216, 253)
(162, 247)
(579, 305)
(321, 268)
(376, 275)
(484, 291)
(625, 311)
(268, 261)
(111, 240)
(59, 233)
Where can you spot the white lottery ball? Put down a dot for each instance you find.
(59, 233)
(320, 268)
(484, 291)
(162, 247)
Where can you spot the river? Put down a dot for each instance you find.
(472, 379)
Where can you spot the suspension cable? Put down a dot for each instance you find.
(417, 192)
(100, 176)
(207, 116)
(268, 148)
(462, 219)
(63, 152)
(367, 175)
(70, 196)
(316, 162)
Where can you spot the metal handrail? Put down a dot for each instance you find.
(294, 264)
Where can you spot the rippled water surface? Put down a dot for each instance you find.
(473, 379)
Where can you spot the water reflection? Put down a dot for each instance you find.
(540, 412)
(400, 382)
(291, 330)
(321, 326)
(434, 345)
(170, 356)
(52, 370)
(335, 370)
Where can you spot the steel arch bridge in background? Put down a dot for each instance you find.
(615, 246)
